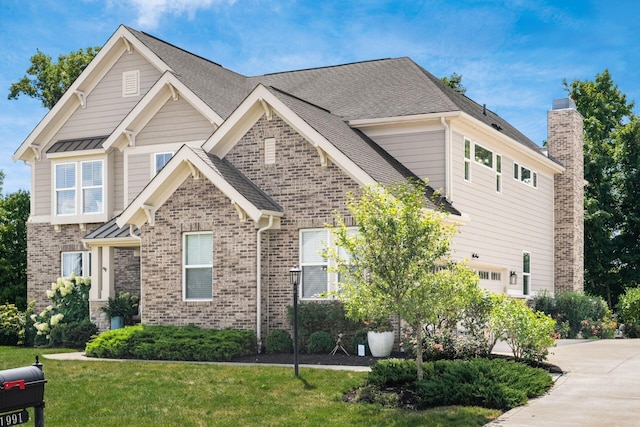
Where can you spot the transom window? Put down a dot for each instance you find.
(483, 156)
(77, 263)
(85, 190)
(197, 274)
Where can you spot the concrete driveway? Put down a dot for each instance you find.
(600, 387)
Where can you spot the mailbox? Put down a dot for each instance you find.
(21, 388)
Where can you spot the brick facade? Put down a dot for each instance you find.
(565, 142)
(308, 201)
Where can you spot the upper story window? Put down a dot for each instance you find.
(467, 160)
(526, 273)
(160, 159)
(85, 191)
(483, 156)
(525, 175)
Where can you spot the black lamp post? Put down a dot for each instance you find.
(294, 277)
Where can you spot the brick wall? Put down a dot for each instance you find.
(308, 193)
(565, 142)
(44, 248)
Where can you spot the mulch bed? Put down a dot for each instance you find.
(314, 359)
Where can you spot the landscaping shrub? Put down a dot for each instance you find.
(491, 383)
(320, 342)
(73, 335)
(69, 305)
(570, 310)
(629, 312)
(359, 338)
(328, 316)
(278, 341)
(15, 324)
(527, 332)
(173, 343)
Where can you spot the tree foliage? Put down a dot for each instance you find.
(14, 213)
(48, 81)
(399, 259)
(454, 81)
(611, 160)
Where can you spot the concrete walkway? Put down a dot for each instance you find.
(600, 387)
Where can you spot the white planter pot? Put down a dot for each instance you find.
(380, 343)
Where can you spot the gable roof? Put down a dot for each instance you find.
(245, 196)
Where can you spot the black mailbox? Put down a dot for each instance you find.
(21, 388)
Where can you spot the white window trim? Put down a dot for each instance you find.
(486, 149)
(86, 262)
(466, 172)
(517, 175)
(332, 276)
(498, 160)
(185, 267)
(92, 187)
(526, 274)
(56, 190)
(79, 216)
(154, 160)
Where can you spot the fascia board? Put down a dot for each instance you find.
(86, 81)
(119, 242)
(250, 111)
(539, 158)
(399, 120)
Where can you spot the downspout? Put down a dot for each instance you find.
(447, 159)
(259, 282)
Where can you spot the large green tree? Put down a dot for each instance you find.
(454, 81)
(48, 81)
(14, 213)
(399, 260)
(610, 171)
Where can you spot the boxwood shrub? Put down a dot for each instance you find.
(172, 343)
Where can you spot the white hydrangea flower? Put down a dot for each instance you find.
(56, 318)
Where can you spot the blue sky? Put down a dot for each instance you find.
(513, 54)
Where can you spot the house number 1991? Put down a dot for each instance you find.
(14, 419)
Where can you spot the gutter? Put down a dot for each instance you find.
(259, 281)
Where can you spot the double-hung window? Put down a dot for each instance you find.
(92, 185)
(314, 266)
(197, 274)
(77, 263)
(79, 184)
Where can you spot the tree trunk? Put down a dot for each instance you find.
(419, 351)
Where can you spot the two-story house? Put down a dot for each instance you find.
(164, 174)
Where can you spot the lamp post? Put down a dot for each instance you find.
(294, 277)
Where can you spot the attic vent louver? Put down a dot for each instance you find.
(131, 83)
(269, 151)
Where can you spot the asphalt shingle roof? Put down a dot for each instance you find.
(110, 230)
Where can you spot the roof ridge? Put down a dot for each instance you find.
(299, 99)
(195, 55)
(325, 67)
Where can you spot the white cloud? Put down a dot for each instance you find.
(151, 12)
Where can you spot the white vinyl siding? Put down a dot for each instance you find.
(422, 152)
(198, 266)
(176, 121)
(138, 173)
(503, 225)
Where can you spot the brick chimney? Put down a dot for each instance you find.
(565, 144)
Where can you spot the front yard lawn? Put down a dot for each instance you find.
(189, 394)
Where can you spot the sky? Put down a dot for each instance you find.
(513, 55)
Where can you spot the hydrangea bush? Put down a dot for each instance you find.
(69, 307)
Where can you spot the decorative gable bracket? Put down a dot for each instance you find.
(127, 44)
(37, 150)
(195, 173)
(82, 97)
(242, 214)
(131, 137)
(150, 212)
(322, 154)
(267, 109)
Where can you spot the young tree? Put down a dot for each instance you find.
(49, 80)
(398, 261)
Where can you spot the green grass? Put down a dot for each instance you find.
(188, 394)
